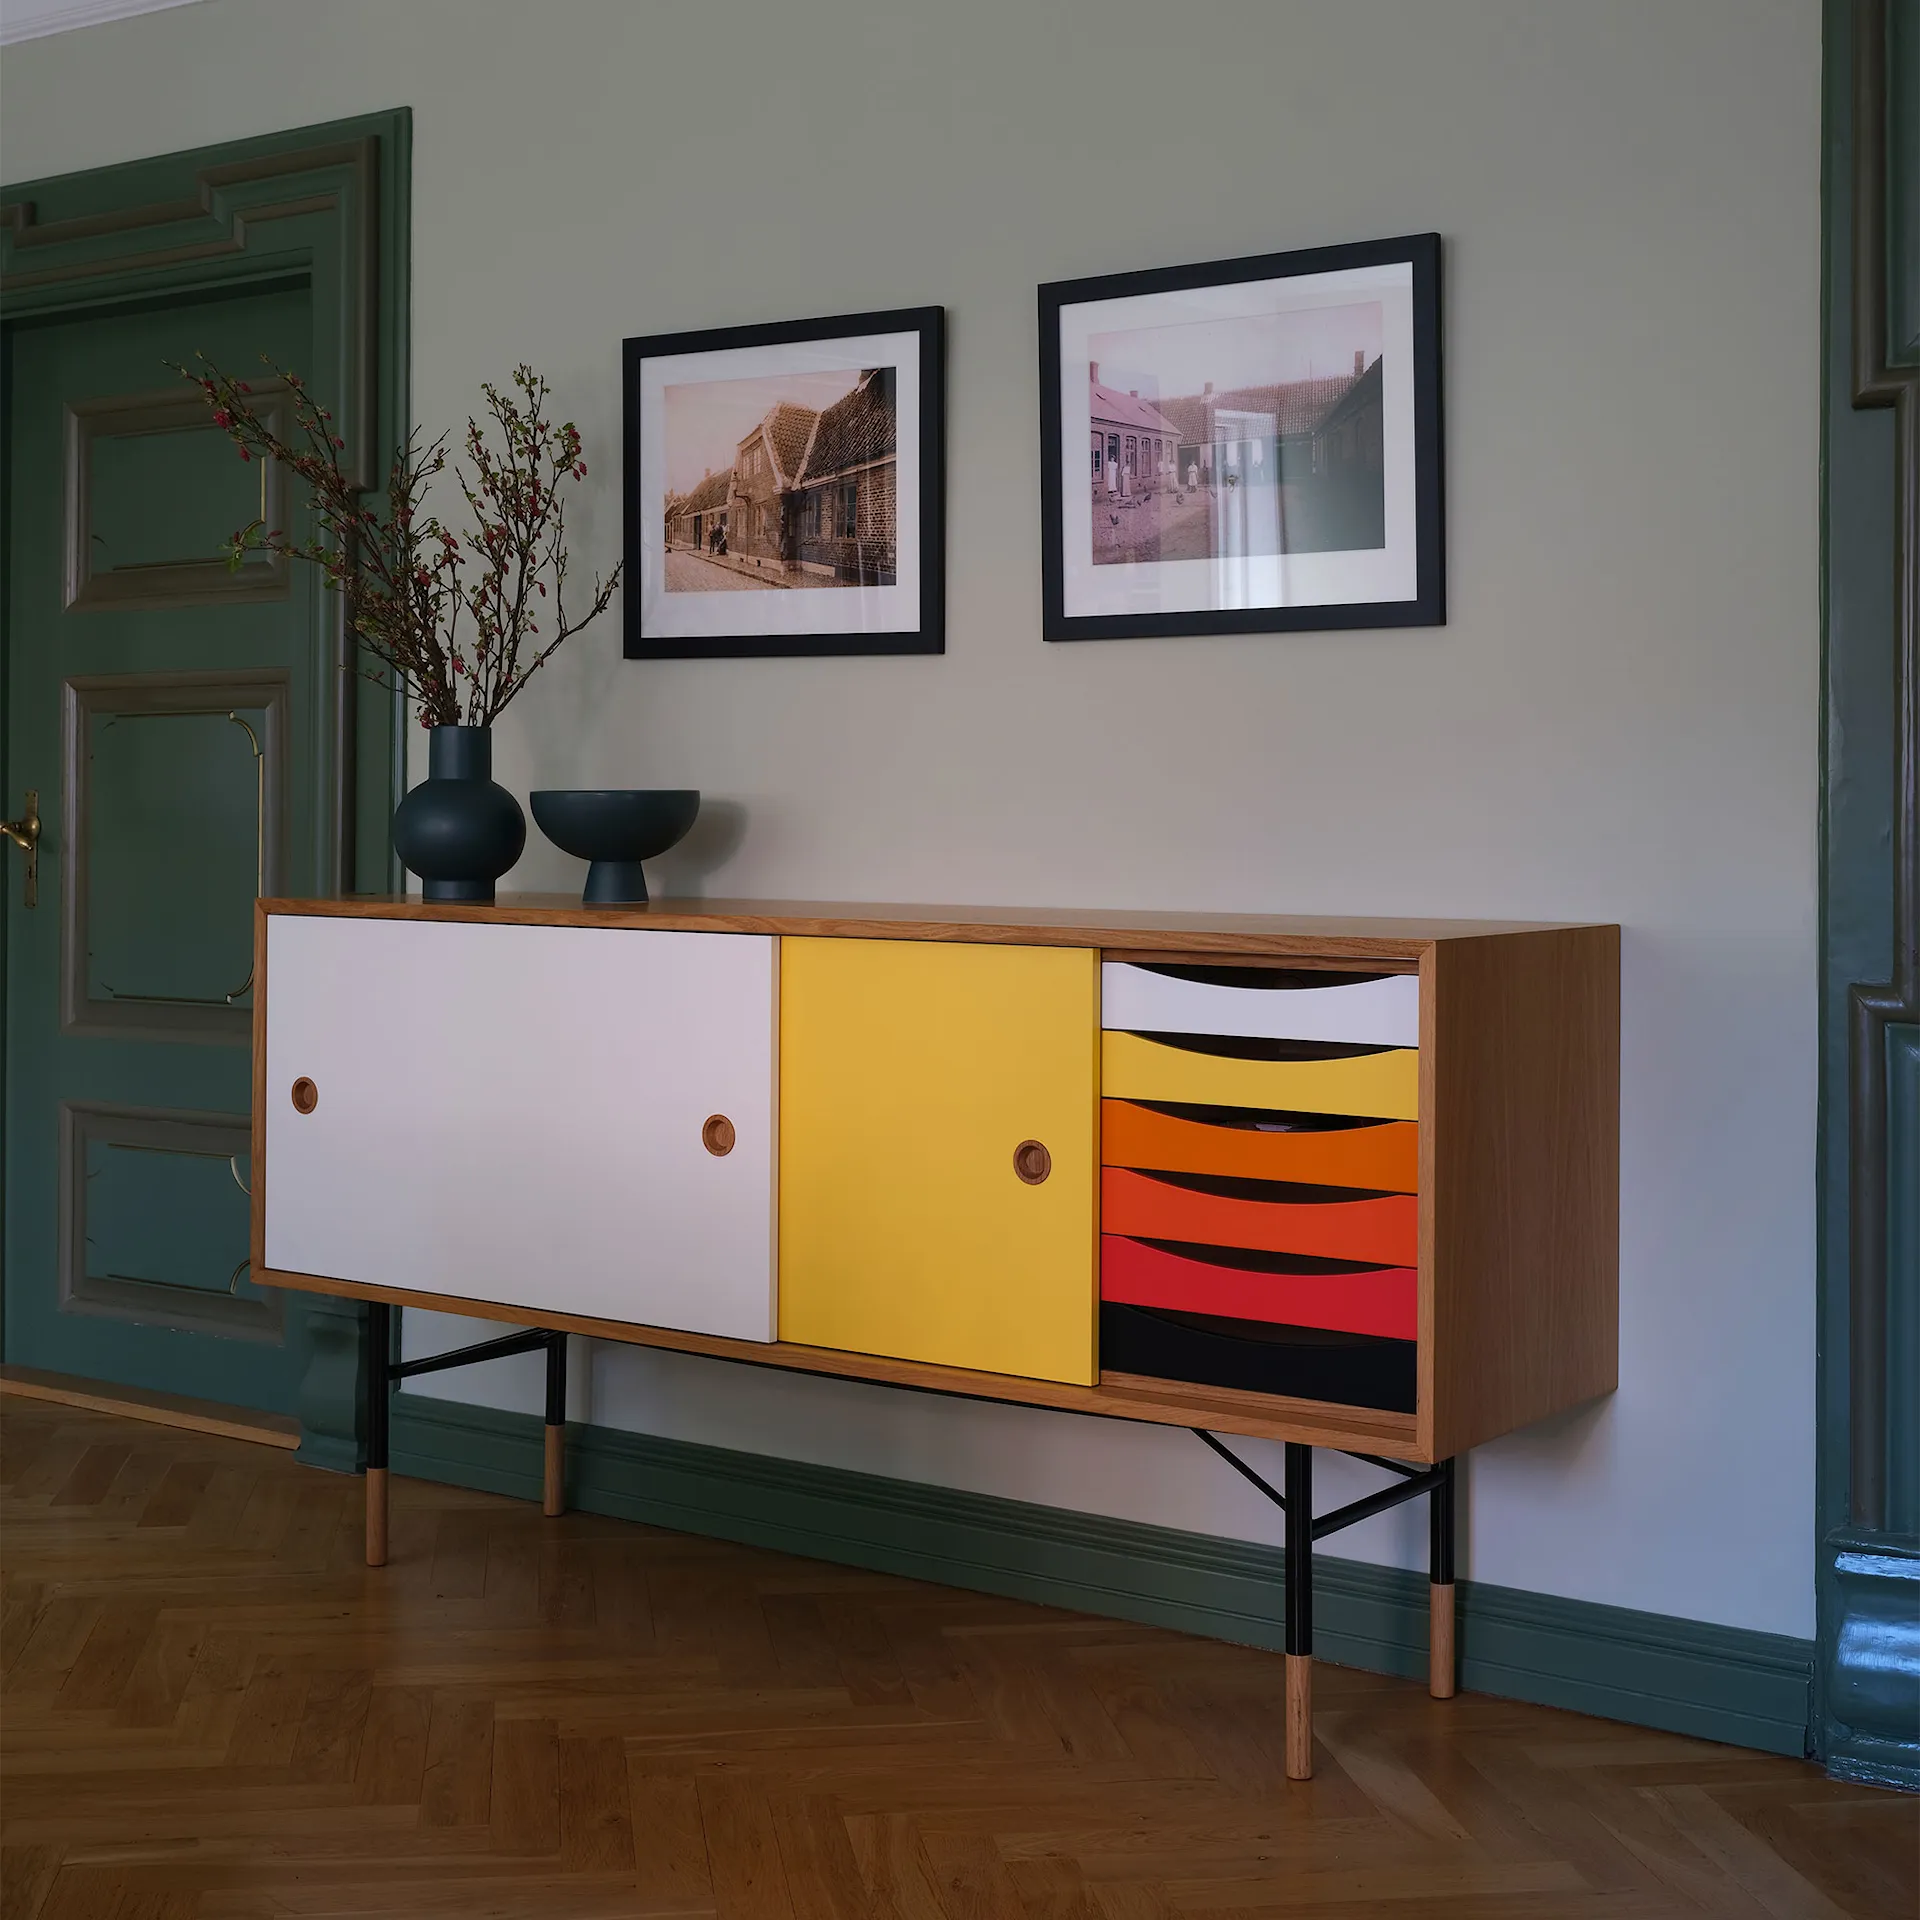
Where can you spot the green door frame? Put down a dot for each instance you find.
(329, 205)
(1867, 1678)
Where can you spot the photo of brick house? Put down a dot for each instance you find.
(1275, 454)
(1349, 461)
(698, 520)
(1259, 433)
(766, 472)
(848, 496)
(1134, 445)
(808, 494)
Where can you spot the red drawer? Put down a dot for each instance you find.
(1383, 1301)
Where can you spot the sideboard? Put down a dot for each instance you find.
(1337, 1183)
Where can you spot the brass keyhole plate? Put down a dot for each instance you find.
(306, 1096)
(717, 1136)
(1032, 1162)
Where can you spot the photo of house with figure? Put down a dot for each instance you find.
(807, 495)
(1228, 438)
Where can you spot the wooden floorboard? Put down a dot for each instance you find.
(211, 1708)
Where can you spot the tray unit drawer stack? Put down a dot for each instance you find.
(1259, 1210)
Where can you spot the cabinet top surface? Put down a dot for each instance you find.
(1045, 926)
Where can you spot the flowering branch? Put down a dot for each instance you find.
(404, 574)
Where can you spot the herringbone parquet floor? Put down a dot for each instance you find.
(212, 1709)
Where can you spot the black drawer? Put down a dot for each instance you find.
(1304, 1363)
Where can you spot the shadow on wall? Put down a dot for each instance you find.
(712, 841)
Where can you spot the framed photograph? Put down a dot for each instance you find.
(784, 488)
(1247, 447)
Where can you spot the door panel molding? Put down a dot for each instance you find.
(1880, 379)
(217, 222)
(130, 695)
(185, 1309)
(327, 204)
(182, 582)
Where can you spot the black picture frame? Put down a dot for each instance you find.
(925, 633)
(1427, 604)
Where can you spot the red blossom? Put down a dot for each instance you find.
(402, 570)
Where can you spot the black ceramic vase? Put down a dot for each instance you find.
(459, 830)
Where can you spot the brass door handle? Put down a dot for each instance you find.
(25, 834)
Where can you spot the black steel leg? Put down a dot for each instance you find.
(1303, 1529)
(1440, 1644)
(553, 1490)
(1299, 1490)
(379, 1397)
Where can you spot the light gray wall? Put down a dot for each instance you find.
(1617, 723)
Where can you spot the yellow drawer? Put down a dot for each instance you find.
(1382, 1086)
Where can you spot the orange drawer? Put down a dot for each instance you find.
(1385, 1230)
(1246, 1144)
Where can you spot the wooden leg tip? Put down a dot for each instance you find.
(553, 1486)
(1441, 1660)
(1299, 1716)
(376, 1516)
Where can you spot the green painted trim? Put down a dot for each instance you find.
(1683, 1676)
(329, 205)
(381, 731)
(1903, 183)
(1866, 1722)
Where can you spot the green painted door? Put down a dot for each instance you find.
(166, 713)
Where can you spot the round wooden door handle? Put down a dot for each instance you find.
(1032, 1162)
(306, 1096)
(717, 1136)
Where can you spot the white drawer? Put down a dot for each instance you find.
(1262, 1003)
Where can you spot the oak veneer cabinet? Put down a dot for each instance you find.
(1335, 1183)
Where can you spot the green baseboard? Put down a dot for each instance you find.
(1682, 1676)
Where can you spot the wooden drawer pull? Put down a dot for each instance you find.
(306, 1096)
(1032, 1162)
(717, 1136)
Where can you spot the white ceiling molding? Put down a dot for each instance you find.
(35, 19)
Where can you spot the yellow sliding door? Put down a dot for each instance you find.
(912, 1075)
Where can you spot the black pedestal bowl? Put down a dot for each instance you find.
(616, 828)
